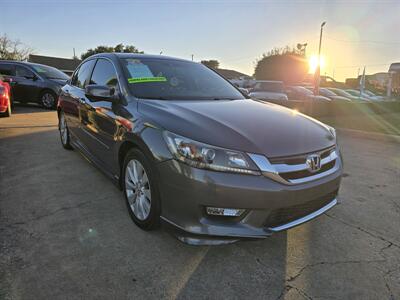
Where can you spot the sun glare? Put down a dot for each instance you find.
(313, 63)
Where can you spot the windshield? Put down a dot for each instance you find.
(327, 93)
(303, 90)
(151, 78)
(369, 93)
(342, 93)
(49, 72)
(353, 92)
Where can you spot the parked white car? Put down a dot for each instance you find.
(268, 90)
(366, 94)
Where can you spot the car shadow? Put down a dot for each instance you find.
(23, 108)
(71, 222)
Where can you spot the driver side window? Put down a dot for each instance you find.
(23, 72)
(81, 79)
(104, 74)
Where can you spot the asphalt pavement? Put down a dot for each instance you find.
(65, 233)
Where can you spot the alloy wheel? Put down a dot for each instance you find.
(48, 100)
(137, 189)
(63, 130)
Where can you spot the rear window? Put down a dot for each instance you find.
(7, 69)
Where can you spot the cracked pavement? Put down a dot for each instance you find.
(65, 233)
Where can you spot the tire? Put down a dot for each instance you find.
(141, 194)
(48, 99)
(64, 132)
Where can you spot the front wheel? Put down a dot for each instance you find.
(141, 190)
(48, 99)
(64, 131)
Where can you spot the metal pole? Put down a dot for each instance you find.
(192, 57)
(318, 75)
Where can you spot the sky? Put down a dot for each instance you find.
(236, 33)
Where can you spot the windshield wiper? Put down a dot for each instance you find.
(216, 98)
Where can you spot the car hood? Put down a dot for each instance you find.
(59, 81)
(244, 125)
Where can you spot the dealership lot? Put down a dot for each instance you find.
(65, 232)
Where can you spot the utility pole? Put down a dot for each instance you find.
(317, 71)
(74, 53)
(192, 57)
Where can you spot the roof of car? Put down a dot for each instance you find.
(136, 55)
(21, 62)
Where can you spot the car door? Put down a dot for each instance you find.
(73, 96)
(99, 117)
(26, 86)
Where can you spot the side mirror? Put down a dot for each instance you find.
(96, 92)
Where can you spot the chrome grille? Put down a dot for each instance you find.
(299, 159)
(294, 169)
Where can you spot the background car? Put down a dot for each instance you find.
(301, 93)
(331, 95)
(343, 93)
(34, 82)
(268, 90)
(369, 96)
(5, 98)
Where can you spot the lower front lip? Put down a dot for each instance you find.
(187, 192)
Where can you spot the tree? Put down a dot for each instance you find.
(13, 49)
(284, 64)
(212, 63)
(104, 49)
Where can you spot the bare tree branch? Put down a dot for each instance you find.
(13, 49)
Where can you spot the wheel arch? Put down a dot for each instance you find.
(123, 150)
(150, 142)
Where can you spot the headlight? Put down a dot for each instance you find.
(204, 156)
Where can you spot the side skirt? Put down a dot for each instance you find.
(91, 159)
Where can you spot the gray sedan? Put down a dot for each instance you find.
(189, 150)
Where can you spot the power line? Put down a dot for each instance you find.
(357, 66)
(363, 41)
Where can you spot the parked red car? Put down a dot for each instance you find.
(5, 99)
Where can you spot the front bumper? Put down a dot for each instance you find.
(270, 206)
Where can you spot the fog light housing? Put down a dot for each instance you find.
(226, 212)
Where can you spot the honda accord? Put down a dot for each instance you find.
(189, 149)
